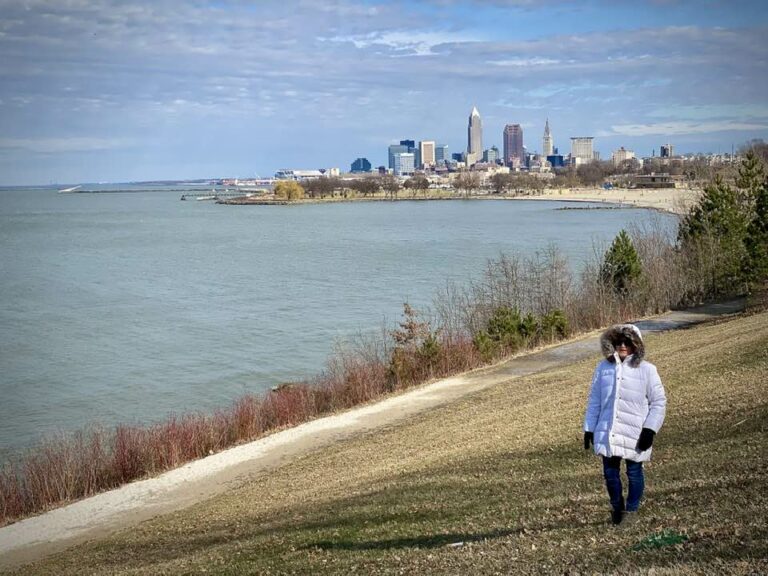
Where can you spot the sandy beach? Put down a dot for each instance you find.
(674, 200)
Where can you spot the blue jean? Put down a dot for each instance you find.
(612, 474)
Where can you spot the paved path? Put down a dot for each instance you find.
(94, 517)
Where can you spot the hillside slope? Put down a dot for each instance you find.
(497, 483)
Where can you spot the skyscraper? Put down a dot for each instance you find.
(396, 149)
(427, 150)
(547, 143)
(474, 137)
(514, 155)
(441, 154)
(404, 164)
(581, 149)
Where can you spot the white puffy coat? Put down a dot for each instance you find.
(624, 398)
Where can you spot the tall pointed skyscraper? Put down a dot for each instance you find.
(474, 138)
(547, 148)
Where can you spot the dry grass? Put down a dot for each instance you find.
(502, 472)
(68, 468)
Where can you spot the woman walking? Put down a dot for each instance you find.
(625, 410)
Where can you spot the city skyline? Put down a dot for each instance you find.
(114, 90)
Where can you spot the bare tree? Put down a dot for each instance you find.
(467, 182)
(390, 184)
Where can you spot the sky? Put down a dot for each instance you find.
(115, 91)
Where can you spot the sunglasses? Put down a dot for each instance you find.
(623, 341)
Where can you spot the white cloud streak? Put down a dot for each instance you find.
(64, 145)
(524, 62)
(683, 128)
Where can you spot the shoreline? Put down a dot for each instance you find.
(671, 200)
(38, 536)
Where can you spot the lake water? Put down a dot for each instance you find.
(125, 307)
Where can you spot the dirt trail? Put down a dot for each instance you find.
(97, 516)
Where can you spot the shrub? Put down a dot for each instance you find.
(430, 350)
(529, 328)
(416, 349)
(487, 347)
(554, 325)
(505, 327)
(289, 190)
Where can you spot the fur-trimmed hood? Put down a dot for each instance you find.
(628, 330)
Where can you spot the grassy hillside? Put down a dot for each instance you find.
(503, 473)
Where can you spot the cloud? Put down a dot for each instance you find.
(680, 128)
(62, 145)
(711, 111)
(417, 43)
(524, 62)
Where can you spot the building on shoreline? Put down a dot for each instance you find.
(290, 174)
(653, 180)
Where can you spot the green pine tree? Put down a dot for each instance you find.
(713, 233)
(751, 178)
(757, 237)
(621, 265)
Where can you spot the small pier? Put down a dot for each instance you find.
(213, 195)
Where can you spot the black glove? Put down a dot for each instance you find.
(589, 438)
(646, 439)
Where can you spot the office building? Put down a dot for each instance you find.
(426, 153)
(404, 164)
(360, 165)
(395, 149)
(474, 137)
(556, 160)
(547, 148)
(581, 149)
(441, 154)
(666, 151)
(622, 155)
(513, 145)
(491, 156)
